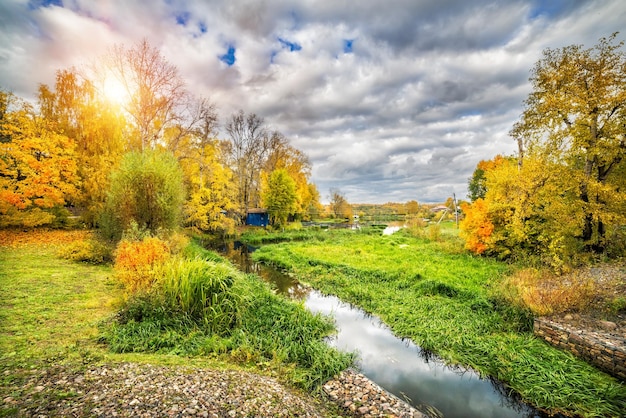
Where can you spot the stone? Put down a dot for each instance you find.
(363, 410)
(608, 325)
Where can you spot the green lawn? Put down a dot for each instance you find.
(52, 311)
(49, 307)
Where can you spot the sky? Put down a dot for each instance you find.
(392, 100)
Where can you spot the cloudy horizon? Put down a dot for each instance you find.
(392, 101)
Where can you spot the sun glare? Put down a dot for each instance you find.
(114, 91)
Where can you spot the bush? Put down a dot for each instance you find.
(137, 262)
(415, 226)
(545, 293)
(88, 250)
(434, 232)
(146, 189)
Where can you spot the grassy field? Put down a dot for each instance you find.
(52, 310)
(451, 303)
(56, 312)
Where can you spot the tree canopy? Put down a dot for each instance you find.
(565, 196)
(147, 189)
(279, 196)
(37, 167)
(67, 151)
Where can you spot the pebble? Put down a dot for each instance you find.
(134, 390)
(608, 325)
(362, 397)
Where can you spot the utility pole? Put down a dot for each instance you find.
(456, 210)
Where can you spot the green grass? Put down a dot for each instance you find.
(204, 306)
(52, 312)
(263, 236)
(449, 302)
(50, 307)
(60, 313)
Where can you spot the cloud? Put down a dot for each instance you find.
(392, 101)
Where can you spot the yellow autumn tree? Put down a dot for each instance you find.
(563, 197)
(207, 177)
(574, 118)
(37, 167)
(476, 227)
(210, 189)
(97, 128)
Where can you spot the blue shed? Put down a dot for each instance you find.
(257, 217)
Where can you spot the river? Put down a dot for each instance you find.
(397, 365)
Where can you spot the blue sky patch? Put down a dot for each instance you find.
(229, 57)
(182, 18)
(548, 8)
(347, 45)
(35, 4)
(291, 46)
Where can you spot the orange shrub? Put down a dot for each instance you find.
(476, 228)
(137, 262)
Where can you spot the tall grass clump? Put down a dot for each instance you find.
(202, 290)
(90, 249)
(201, 305)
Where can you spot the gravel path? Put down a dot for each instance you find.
(134, 390)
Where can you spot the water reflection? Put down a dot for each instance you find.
(397, 365)
(408, 372)
(239, 254)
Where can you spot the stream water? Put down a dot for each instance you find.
(397, 365)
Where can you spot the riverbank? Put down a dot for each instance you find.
(52, 364)
(447, 302)
(145, 390)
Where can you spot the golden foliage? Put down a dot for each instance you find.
(476, 227)
(209, 186)
(19, 238)
(137, 262)
(96, 128)
(37, 167)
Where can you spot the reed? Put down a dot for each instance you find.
(202, 290)
(545, 293)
